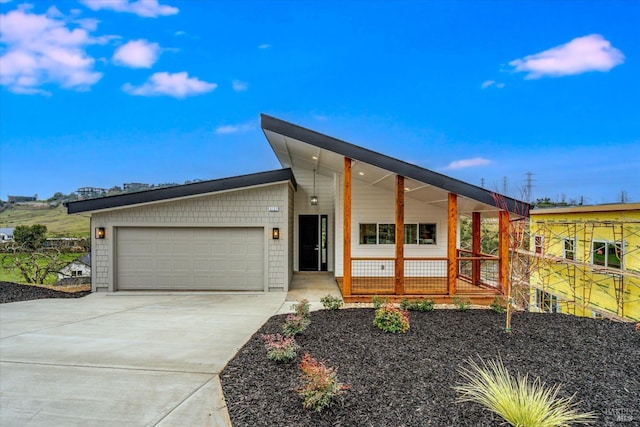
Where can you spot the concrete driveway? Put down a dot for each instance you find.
(123, 359)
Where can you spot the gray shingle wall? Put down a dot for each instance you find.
(239, 208)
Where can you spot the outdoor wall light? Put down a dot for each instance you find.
(314, 198)
(275, 233)
(100, 233)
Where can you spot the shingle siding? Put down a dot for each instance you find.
(239, 208)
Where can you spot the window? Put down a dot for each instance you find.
(538, 242)
(546, 302)
(607, 254)
(411, 234)
(569, 249)
(427, 234)
(76, 273)
(385, 234)
(368, 234)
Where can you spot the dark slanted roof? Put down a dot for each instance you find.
(393, 165)
(179, 191)
(86, 259)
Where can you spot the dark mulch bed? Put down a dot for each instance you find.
(13, 292)
(406, 380)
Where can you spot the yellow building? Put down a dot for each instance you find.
(585, 260)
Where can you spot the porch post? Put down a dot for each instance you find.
(475, 247)
(399, 270)
(452, 242)
(346, 280)
(503, 250)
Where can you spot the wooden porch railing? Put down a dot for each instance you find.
(422, 275)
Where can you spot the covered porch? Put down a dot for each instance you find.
(395, 226)
(461, 273)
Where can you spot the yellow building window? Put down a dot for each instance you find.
(607, 254)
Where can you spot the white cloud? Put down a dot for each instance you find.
(468, 163)
(488, 83)
(178, 85)
(137, 54)
(239, 86)
(580, 55)
(41, 49)
(228, 129)
(264, 46)
(144, 8)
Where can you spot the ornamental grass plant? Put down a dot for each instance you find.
(521, 402)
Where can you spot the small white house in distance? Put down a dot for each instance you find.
(6, 234)
(379, 225)
(80, 267)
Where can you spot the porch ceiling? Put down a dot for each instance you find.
(294, 153)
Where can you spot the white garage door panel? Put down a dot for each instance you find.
(190, 258)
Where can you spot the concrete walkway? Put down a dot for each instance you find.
(310, 286)
(123, 359)
(134, 359)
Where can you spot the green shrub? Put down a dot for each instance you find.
(379, 302)
(516, 399)
(279, 348)
(391, 319)
(499, 304)
(424, 304)
(295, 324)
(301, 308)
(330, 302)
(319, 384)
(463, 303)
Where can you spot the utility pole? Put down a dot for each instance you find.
(528, 186)
(482, 182)
(504, 185)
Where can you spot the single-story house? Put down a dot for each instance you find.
(80, 267)
(6, 234)
(381, 226)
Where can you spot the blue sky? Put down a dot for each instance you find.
(103, 92)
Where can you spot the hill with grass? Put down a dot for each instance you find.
(58, 222)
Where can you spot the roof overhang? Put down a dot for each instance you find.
(182, 191)
(611, 207)
(298, 147)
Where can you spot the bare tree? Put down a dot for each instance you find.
(29, 257)
(517, 286)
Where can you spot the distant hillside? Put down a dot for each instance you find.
(56, 219)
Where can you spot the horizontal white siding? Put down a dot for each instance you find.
(373, 205)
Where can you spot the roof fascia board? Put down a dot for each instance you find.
(616, 207)
(399, 167)
(182, 192)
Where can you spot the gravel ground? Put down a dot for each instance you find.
(407, 379)
(13, 292)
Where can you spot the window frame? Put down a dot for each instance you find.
(565, 251)
(383, 231)
(538, 244)
(546, 302)
(607, 245)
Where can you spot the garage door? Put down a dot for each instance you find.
(190, 258)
